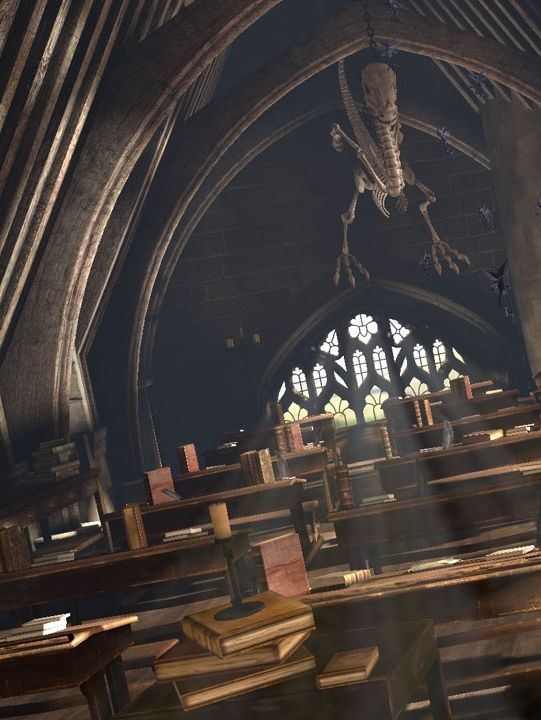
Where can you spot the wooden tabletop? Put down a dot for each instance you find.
(235, 467)
(26, 503)
(193, 511)
(113, 572)
(470, 590)
(88, 650)
(401, 471)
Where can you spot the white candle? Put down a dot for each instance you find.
(220, 520)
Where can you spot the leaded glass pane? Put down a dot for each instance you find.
(398, 331)
(330, 344)
(440, 353)
(320, 377)
(380, 362)
(363, 327)
(298, 380)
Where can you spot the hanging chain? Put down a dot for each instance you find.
(370, 31)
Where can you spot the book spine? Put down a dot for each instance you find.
(427, 408)
(280, 439)
(387, 447)
(199, 635)
(345, 489)
(187, 458)
(13, 549)
(134, 527)
(417, 411)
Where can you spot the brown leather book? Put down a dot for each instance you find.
(294, 437)
(156, 481)
(280, 567)
(187, 658)
(198, 692)
(133, 524)
(13, 549)
(281, 616)
(187, 457)
(257, 467)
(482, 436)
(348, 667)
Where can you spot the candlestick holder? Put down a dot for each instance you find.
(238, 608)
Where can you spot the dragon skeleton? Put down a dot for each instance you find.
(380, 169)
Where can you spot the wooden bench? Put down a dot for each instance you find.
(252, 501)
(443, 516)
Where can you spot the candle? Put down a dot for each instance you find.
(220, 520)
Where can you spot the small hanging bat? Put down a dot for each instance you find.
(499, 284)
(448, 434)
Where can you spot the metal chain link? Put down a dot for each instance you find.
(370, 31)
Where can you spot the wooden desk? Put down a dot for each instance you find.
(470, 590)
(412, 439)
(371, 532)
(310, 464)
(251, 500)
(419, 469)
(33, 502)
(115, 572)
(408, 657)
(85, 656)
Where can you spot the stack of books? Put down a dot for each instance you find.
(520, 430)
(184, 534)
(221, 659)
(55, 460)
(51, 558)
(257, 467)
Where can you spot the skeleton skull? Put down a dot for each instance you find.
(380, 94)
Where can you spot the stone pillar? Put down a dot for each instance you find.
(513, 136)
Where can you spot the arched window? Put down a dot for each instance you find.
(353, 368)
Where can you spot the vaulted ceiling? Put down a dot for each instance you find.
(110, 159)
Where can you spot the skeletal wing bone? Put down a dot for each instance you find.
(338, 135)
(364, 139)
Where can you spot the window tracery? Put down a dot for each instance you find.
(353, 368)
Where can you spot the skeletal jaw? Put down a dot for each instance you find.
(380, 93)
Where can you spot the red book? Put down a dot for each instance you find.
(187, 457)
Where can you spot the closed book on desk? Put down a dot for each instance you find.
(187, 658)
(13, 549)
(294, 439)
(187, 458)
(200, 691)
(134, 527)
(257, 467)
(281, 616)
(482, 436)
(279, 565)
(156, 481)
(348, 667)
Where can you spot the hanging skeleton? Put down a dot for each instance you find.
(380, 168)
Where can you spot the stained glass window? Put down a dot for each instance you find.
(352, 369)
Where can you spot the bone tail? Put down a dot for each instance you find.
(391, 158)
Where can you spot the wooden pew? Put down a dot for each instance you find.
(412, 439)
(310, 464)
(255, 500)
(416, 471)
(29, 503)
(442, 517)
(116, 572)
(471, 590)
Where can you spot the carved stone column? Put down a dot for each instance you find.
(513, 136)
